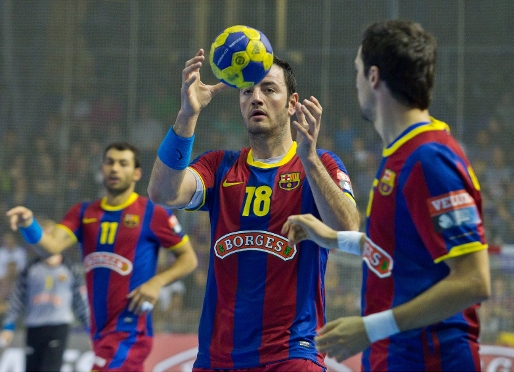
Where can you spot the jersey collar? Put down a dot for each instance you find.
(287, 157)
(131, 199)
(412, 132)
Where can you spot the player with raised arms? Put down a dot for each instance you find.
(264, 298)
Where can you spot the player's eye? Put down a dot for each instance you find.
(247, 91)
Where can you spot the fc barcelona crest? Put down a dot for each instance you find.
(131, 220)
(289, 181)
(386, 184)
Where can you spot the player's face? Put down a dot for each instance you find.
(364, 94)
(267, 107)
(119, 171)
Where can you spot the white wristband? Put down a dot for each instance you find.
(380, 325)
(349, 241)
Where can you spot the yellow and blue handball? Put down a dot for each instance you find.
(241, 56)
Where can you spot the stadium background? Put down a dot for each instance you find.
(78, 74)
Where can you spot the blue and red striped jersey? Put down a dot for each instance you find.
(120, 247)
(265, 299)
(425, 206)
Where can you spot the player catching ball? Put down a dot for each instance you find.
(264, 300)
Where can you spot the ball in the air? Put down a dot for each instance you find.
(241, 56)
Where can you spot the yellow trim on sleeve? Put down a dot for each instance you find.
(204, 191)
(350, 196)
(184, 240)
(460, 250)
(67, 229)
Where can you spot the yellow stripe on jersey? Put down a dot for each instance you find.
(474, 178)
(184, 240)
(70, 233)
(462, 249)
(434, 125)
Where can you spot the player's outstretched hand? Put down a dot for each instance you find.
(306, 226)
(195, 95)
(342, 338)
(19, 217)
(307, 126)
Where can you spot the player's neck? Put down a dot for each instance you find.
(270, 148)
(118, 199)
(394, 119)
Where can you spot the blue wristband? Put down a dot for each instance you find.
(9, 326)
(175, 151)
(33, 233)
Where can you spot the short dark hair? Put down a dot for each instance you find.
(122, 146)
(405, 55)
(289, 77)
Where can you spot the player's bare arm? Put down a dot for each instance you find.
(174, 186)
(336, 209)
(54, 242)
(185, 262)
(467, 283)
(306, 226)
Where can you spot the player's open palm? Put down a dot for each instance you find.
(195, 95)
(307, 126)
(19, 217)
(342, 338)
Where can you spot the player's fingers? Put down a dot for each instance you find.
(326, 328)
(301, 128)
(197, 58)
(192, 70)
(219, 88)
(333, 350)
(189, 81)
(341, 354)
(286, 226)
(296, 234)
(299, 112)
(309, 117)
(15, 211)
(313, 101)
(13, 222)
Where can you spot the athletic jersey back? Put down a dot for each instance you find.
(424, 207)
(120, 247)
(265, 298)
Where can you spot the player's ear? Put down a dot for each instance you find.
(138, 173)
(293, 99)
(374, 76)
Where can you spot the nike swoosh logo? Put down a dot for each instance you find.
(88, 220)
(227, 184)
(180, 156)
